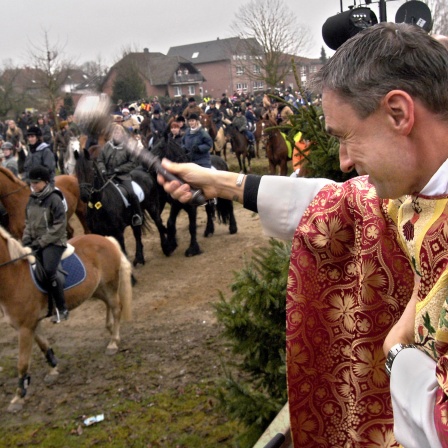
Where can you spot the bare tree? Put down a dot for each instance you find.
(51, 72)
(271, 35)
(12, 98)
(439, 12)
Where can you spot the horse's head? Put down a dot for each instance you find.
(85, 173)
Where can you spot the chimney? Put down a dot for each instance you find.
(145, 50)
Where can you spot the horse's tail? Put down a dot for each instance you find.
(224, 207)
(125, 284)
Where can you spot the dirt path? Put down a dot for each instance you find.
(173, 339)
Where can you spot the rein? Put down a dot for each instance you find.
(16, 259)
(13, 192)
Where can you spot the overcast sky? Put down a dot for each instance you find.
(89, 29)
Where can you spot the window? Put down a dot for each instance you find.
(177, 91)
(195, 55)
(241, 87)
(256, 69)
(191, 90)
(258, 85)
(239, 69)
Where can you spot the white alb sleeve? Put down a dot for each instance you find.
(413, 387)
(282, 201)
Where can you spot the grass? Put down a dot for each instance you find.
(176, 418)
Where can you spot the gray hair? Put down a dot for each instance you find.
(386, 57)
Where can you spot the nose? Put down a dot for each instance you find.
(345, 163)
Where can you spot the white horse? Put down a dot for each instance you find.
(73, 147)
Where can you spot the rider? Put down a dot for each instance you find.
(240, 122)
(45, 232)
(39, 153)
(61, 143)
(115, 160)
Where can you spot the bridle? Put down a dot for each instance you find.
(13, 192)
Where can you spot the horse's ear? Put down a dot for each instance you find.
(86, 154)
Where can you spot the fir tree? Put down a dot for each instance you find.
(254, 321)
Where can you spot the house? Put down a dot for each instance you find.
(162, 75)
(226, 65)
(305, 69)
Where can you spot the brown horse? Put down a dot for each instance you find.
(217, 135)
(239, 145)
(108, 278)
(276, 147)
(14, 195)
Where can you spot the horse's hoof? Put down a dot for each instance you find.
(191, 252)
(138, 261)
(208, 233)
(111, 349)
(51, 377)
(233, 230)
(16, 405)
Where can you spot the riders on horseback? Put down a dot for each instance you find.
(45, 232)
(115, 160)
(240, 122)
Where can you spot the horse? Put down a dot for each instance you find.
(73, 148)
(276, 147)
(108, 278)
(258, 134)
(175, 153)
(219, 140)
(107, 213)
(14, 195)
(240, 146)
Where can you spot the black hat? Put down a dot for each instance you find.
(192, 99)
(180, 118)
(39, 173)
(34, 130)
(193, 116)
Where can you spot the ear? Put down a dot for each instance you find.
(400, 108)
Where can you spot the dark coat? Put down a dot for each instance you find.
(41, 155)
(197, 145)
(45, 219)
(116, 160)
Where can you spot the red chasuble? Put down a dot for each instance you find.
(348, 284)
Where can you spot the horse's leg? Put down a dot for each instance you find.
(232, 221)
(81, 213)
(46, 349)
(194, 248)
(176, 207)
(25, 347)
(113, 317)
(155, 207)
(210, 211)
(139, 256)
(283, 168)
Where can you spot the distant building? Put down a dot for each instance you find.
(162, 75)
(225, 64)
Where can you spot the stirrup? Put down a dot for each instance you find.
(60, 316)
(137, 220)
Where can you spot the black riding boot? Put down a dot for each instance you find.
(137, 219)
(56, 292)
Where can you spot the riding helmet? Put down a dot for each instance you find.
(39, 173)
(34, 130)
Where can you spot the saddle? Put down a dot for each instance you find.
(71, 271)
(124, 194)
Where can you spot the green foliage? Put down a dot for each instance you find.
(128, 85)
(322, 160)
(254, 321)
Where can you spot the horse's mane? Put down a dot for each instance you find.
(10, 175)
(170, 150)
(15, 249)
